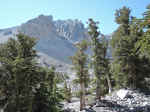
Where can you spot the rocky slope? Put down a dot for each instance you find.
(123, 100)
(47, 61)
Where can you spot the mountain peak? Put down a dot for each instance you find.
(44, 17)
(54, 36)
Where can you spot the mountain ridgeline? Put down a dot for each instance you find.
(55, 38)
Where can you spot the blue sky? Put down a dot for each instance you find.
(15, 12)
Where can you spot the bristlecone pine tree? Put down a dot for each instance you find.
(145, 41)
(105, 67)
(144, 49)
(79, 61)
(99, 59)
(20, 76)
(128, 65)
(46, 96)
(122, 47)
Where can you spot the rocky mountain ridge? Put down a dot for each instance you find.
(55, 38)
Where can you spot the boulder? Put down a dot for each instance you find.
(122, 93)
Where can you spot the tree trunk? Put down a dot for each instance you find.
(109, 83)
(98, 90)
(82, 96)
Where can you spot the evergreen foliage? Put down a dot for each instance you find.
(19, 72)
(128, 63)
(99, 59)
(79, 60)
(27, 87)
(20, 77)
(47, 95)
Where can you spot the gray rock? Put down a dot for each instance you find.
(122, 93)
(56, 38)
(134, 101)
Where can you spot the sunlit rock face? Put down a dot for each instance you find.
(55, 38)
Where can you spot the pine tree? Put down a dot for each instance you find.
(17, 60)
(106, 65)
(145, 41)
(99, 59)
(46, 97)
(96, 58)
(143, 46)
(120, 45)
(127, 61)
(21, 75)
(79, 61)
